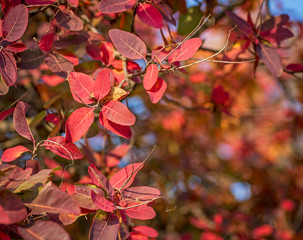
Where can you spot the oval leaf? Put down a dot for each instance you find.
(82, 196)
(67, 19)
(128, 44)
(104, 227)
(78, 123)
(125, 177)
(140, 194)
(117, 112)
(150, 15)
(99, 180)
(102, 203)
(52, 200)
(150, 77)
(59, 64)
(66, 150)
(103, 83)
(81, 86)
(157, 91)
(5, 114)
(11, 154)
(20, 122)
(8, 68)
(147, 231)
(120, 130)
(44, 230)
(186, 50)
(271, 59)
(242, 25)
(12, 209)
(14, 23)
(40, 2)
(142, 212)
(115, 6)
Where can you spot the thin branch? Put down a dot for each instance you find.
(217, 53)
(22, 96)
(200, 25)
(140, 204)
(227, 62)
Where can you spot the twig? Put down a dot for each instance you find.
(200, 25)
(22, 96)
(217, 53)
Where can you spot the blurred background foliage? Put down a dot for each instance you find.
(228, 168)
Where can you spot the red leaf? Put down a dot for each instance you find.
(120, 130)
(271, 59)
(14, 23)
(94, 51)
(137, 236)
(157, 91)
(52, 80)
(158, 55)
(219, 96)
(102, 84)
(66, 150)
(59, 64)
(150, 15)
(69, 20)
(115, 6)
(78, 123)
(40, 2)
(294, 67)
(114, 156)
(210, 236)
(142, 212)
(108, 53)
(3, 236)
(20, 122)
(99, 180)
(140, 194)
(105, 53)
(186, 50)
(125, 177)
(128, 44)
(5, 114)
(81, 86)
(242, 25)
(262, 231)
(13, 153)
(69, 56)
(102, 203)
(117, 112)
(12, 209)
(82, 195)
(52, 200)
(16, 47)
(147, 231)
(118, 64)
(150, 77)
(44, 230)
(104, 228)
(8, 68)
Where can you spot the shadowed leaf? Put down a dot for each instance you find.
(20, 122)
(52, 200)
(104, 227)
(14, 23)
(128, 44)
(44, 230)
